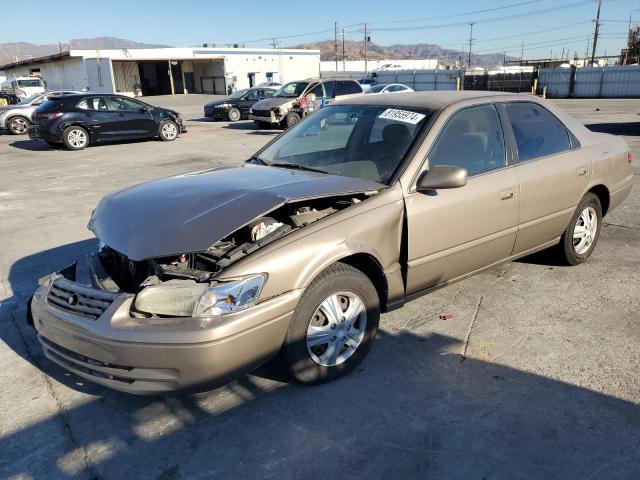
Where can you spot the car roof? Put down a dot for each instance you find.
(431, 100)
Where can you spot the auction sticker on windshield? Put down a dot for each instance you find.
(402, 115)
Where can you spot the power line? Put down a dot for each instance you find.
(486, 10)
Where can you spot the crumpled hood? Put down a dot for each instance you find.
(269, 103)
(190, 212)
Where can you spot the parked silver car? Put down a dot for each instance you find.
(16, 118)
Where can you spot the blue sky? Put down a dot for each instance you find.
(539, 23)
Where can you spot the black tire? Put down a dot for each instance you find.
(295, 355)
(292, 119)
(566, 249)
(234, 114)
(168, 130)
(72, 138)
(18, 125)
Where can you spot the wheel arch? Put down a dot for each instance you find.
(603, 195)
(371, 267)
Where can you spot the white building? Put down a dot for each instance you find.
(374, 65)
(137, 72)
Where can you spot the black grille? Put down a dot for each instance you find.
(262, 113)
(80, 300)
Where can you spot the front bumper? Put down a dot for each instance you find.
(217, 113)
(260, 118)
(153, 356)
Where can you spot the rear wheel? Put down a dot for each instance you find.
(18, 125)
(75, 138)
(168, 130)
(234, 115)
(581, 236)
(333, 325)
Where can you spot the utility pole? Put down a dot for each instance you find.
(522, 53)
(595, 33)
(273, 43)
(335, 43)
(343, 59)
(470, 42)
(366, 40)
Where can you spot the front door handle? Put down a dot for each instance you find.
(506, 194)
(581, 171)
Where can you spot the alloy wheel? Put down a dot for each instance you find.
(19, 126)
(77, 138)
(169, 131)
(585, 230)
(336, 329)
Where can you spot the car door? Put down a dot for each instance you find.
(453, 232)
(135, 119)
(95, 114)
(247, 101)
(552, 172)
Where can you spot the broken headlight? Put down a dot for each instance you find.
(189, 299)
(229, 297)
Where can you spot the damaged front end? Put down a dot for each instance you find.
(185, 285)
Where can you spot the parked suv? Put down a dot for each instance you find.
(295, 100)
(16, 118)
(79, 120)
(237, 105)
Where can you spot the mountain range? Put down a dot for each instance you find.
(24, 50)
(353, 50)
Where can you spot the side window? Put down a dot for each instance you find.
(92, 103)
(472, 139)
(317, 91)
(344, 87)
(123, 104)
(538, 133)
(268, 93)
(252, 95)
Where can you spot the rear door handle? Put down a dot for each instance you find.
(581, 171)
(506, 194)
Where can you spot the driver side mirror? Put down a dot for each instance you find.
(442, 176)
(144, 109)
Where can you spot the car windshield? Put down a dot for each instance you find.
(238, 94)
(363, 141)
(30, 83)
(291, 90)
(29, 99)
(377, 88)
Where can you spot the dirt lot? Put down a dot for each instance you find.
(550, 387)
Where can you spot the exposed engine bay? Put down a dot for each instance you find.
(131, 276)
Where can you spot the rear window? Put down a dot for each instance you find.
(50, 105)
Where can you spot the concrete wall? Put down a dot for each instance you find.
(68, 73)
(99, 75)
(284, 66)
(358, 65)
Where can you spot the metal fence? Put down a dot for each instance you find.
(419, 80)
(591, 82)
(499, 82)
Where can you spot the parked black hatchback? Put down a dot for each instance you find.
(83, 119)
(236, 106)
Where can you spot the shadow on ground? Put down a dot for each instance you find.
(412, 410)
(623, 128)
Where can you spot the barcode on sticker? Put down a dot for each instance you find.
(402, 115)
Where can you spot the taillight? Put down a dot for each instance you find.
(52, 115)
(629, 157)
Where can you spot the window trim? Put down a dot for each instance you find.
(516, 154)
(505, 141)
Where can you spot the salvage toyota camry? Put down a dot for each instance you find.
(357, 209)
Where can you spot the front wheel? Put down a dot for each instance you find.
(75, 138)
(333, 326)
(234, 115)
(580, 237)
(292, 119)
(18, 125)
(168, 130)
